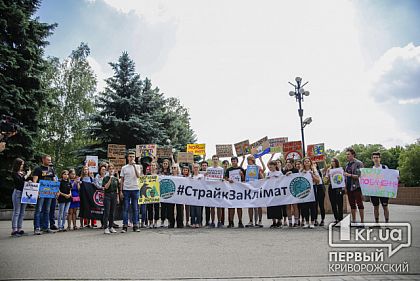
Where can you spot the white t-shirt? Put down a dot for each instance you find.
(273, 174)
(198, 177)
(130, 178)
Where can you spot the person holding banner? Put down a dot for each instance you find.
(153, 208)
(376, 158)
(310, 207)
(19, 176)
(275, 213)
(196, 211)
(85, 177)
(254, 213)
(179, 207)
(354, 192)
(110, 185)
(130, 192)
(165, 208)
(335, 194)
(215, 173)
(42, 209)
(185, 173)
(292, 209)
(204, 165)
(233, 174)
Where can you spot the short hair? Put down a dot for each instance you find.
(204, 162)
(272, 163)
(215, 156)
(131, 153)
(45, 156)
(110, 165)
(376, 153)
(234, 158)
(225, 162)
(351, 150)
(291, 160)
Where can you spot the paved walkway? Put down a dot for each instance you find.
(240, 254)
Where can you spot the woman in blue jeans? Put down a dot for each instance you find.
(19, 177)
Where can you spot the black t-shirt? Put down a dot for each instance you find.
(233, 169)
(18, 180)
(44, 173)
(65, 187)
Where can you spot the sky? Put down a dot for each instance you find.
(229, 62)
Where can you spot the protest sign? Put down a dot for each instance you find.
(146, 150)
(91, 201)
(276, 144)
(379, 182)
(164, 152)
(92, 163)
(196, 149)
(282, 190)
(235, 175)
(242, 148)
(48, 189)
(337, 178)
(292, 149)
(30, 193)
(118, 163)
(316, 152)
(185, 157)
(214, 174)
(116, 151)
(224, 150)
(149, 189)
(260, 147)
(252, 172)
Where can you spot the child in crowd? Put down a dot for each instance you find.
(64, 199)
(75, 200)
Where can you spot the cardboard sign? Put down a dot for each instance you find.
(276, 144)
(48, 189)
(118, 163)
(185, 157)
(149, 189)
(92, 163)
(292, 149)
(260, 147)
(252, 173)
(197, 149)
(337, 178)
(316, 152)
(146, 150)
(30, 193)
(224, 150)
(116, 151)
(214, 174)
(164, 152)
(242, 148)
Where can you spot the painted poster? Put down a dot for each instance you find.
(260, 147)
(146, 150)
(92, 163)
(185, 157)
(30, 193)
(292, 149)
(242, 148)
(379, 182)
(48, 189)
(337, 178)
(276, 144)
(149, 189)
(316, 152)
(252, 172)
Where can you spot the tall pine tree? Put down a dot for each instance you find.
(23, 38)
(132, 112)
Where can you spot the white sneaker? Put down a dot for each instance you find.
(112, 230)
(162, 224)
(107, 231)
(311, 226)
(305, 225)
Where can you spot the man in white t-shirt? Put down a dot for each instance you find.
(129, 191)
(376, 158)
(215, 173)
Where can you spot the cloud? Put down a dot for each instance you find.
(396, 84)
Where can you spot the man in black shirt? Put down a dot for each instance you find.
(235, 174)
(42, 211)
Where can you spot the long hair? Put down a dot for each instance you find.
(16, 165)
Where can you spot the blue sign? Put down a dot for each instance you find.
(48, 189)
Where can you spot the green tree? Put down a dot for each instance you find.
(409, 165)
(70, 85)
(23, 38)
(364, 154)
(133, 112)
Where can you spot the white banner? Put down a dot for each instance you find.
(337, 178)
(283, 190)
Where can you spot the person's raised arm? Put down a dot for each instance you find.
(242, 162)
(262, 164)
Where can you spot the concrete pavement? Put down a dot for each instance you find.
(285, 254)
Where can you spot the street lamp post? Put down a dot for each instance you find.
(299, 93)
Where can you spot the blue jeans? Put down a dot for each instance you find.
(42, 213)
(63, 210)
(196, 214)
(133, 196)
(18, 210)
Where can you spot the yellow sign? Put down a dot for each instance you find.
(197, 149)
(149, 189)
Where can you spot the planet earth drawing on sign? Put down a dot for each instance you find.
(338, 179)
(300, 187)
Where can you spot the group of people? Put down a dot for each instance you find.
(123, 188)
